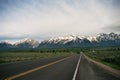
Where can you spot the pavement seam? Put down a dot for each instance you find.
(75, 73)
(35, 69)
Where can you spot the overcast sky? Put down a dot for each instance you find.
(41, 19)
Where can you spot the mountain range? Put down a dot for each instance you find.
(100, 40)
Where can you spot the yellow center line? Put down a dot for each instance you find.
(35, 69)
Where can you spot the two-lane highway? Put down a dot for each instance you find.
(74, 67)
(61, 70)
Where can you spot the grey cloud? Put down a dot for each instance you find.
(10, 38)
(113, 28)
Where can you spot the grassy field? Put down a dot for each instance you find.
(20, 56)
(110, 56)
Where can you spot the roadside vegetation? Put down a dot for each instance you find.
(14, 56)
(107, 56)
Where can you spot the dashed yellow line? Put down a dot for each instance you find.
(35, 69)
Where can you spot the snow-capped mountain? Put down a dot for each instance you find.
(100, 40)
(103, 39)
(62, 40)
(26, 43)
(65, 41)
(5, 46)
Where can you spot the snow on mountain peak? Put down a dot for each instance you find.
(110, 36)
(63, 39)
(30, 41)
(92, 38)
(99, 37)
(5, 42)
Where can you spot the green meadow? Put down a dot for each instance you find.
(13, 56)
(107, 56)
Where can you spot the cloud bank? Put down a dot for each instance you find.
(35, 18)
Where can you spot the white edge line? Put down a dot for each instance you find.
(77, 67)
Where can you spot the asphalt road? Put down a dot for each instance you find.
(91, 71)
(61, 68)
(64, 68)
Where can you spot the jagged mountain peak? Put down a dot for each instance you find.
(94, 38)
(68, 37)
(27, 41)
(109, 39)
(5, 42)
(99, 37)
(109, 36)
(63, 39)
